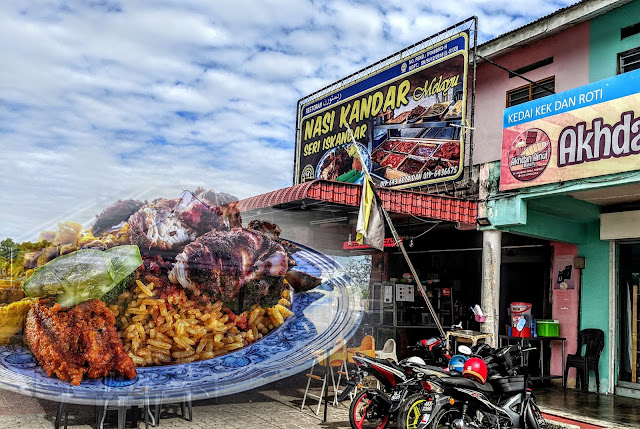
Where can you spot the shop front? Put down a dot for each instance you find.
(569, 175)
(622, 231)
(438, 233)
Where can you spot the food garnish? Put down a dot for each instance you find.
(83, 275)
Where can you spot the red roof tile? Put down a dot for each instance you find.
(395, 201)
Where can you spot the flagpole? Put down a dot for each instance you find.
(396, 237)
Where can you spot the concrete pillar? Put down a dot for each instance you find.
(491, 260)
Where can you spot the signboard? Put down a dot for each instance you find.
(406, 117)
(353, 245)
(588, 131)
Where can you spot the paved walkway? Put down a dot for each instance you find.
(277, 406)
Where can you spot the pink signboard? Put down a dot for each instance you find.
(588, 131)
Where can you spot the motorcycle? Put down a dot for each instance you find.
(433, 351)
(461, 402)
(375, 408)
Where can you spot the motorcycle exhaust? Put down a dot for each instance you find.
(460, 424)
(381, 400)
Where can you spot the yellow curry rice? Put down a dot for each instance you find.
(176, 329)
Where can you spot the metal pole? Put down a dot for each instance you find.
(326, 386)
(516, 74)
(397, 239)
(411, 268)
(473, 102)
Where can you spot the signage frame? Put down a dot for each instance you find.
(371, 78)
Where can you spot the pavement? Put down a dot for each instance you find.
(275, 405)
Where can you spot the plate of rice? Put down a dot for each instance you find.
(284, 342)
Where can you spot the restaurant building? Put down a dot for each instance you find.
(561, 164)
(557, 227)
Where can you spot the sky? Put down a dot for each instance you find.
(109, 100)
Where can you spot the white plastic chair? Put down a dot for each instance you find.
(388, 351)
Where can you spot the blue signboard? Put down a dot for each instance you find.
(407, 117)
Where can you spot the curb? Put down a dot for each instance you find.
(572, 421)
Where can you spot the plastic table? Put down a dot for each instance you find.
(542, 341)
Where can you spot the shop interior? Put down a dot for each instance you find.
(629, 289)
(447, 259)
(448, 262)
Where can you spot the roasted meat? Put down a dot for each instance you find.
(170, 224)
(298, 280)
(221, 264)
(213, 198)
(115, 214)
(78, 341)
(272, 230)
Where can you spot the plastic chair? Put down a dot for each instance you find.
(367, 346)
(593, 339)
(388, 351)
(337, 359)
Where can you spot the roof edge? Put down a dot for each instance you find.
(396, 201)
(547, 26)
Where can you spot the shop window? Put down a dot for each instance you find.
(629, 31)
(542, 88)
(629, 60)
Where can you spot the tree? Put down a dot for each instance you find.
(359, 269)
(9, 249)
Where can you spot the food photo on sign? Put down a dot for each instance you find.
(169, 296)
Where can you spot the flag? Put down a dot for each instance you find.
(370, 225)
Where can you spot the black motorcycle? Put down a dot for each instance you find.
(457, 402)
(375, 408)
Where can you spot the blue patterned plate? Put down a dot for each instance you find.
(322, 317)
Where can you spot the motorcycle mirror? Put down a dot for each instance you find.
(464, 350)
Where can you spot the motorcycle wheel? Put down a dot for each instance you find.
(533, 418)
(364, 413)
(410, 413)
(445, 417)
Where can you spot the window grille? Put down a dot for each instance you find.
(530, 92)
(629, 60)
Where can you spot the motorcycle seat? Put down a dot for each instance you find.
(467, 383)
(432, 370)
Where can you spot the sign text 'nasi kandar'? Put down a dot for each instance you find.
(406, 119)
(588, 131)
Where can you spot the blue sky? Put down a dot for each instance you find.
(107, 100)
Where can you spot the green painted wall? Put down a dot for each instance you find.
(605, 43)
(595, 297)
(541, 225)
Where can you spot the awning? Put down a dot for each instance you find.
(394, 201)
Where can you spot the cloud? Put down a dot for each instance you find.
(109, 100)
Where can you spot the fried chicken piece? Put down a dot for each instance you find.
(73, 342)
